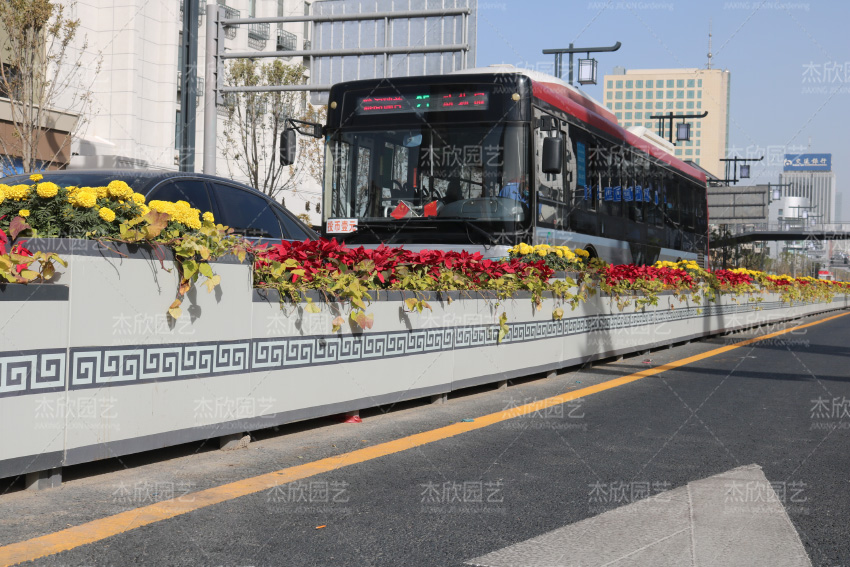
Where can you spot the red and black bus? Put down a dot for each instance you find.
(485, 159)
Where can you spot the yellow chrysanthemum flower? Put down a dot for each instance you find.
(36, 177)
(2, 196)
(100, 192)
(118, 189)
(582, 253)
(46, 189)
(24, 213)
(107, 214)
(208, 216)
(17, 192)
(138, 198)
(84, 199)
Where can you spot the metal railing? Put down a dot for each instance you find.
(798, 225)
(286, 41)
(201, 11)
(260, 31)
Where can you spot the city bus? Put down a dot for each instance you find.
(485, 159)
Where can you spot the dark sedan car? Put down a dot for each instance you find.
(243, 208)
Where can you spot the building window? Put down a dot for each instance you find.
(628, 106)
(629, 85)
(697, 160)
(699, 124)
(628, 116)
(648, 94)
(648, 124)
(639, 84)
(638, 115)
(689, 152)
(669, 94)
(627, 125)
(680, 94)
(649, 84)
(690, 94)
(629, 95)
(697, 134)
(680, 105)
(619, 116)
(678, 151)
(697, 152)
(618, 106)
(669, 83)
(690, 104)
(618, 95)
(610, 84)
(639, 106)
(699, 94)
(699, 105)
(680, 83)
(698, 143)
(659, 94)
(610, 105)
(619, 84)
(699, 83)
(659, 105)
(252, 8)
(639, 94)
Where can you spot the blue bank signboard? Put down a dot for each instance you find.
(808, 162)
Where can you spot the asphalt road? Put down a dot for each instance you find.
(782, 403)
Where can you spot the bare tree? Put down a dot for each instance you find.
(39, 66)
(255, 120)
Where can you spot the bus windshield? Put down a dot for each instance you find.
(475, 173)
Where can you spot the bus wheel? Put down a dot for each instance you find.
(592, 251)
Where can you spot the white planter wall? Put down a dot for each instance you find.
(91, 368)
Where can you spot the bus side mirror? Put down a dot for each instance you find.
(553, 152)
(287, 147)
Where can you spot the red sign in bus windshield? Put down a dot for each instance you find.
(433, 102)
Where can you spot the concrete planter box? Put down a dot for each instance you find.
(105, 373)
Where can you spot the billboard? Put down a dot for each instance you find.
(412, 39)
(808, 162)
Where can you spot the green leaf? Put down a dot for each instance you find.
(311, 307)
(48, 270)
(206, 270)
(411, 303)
(337, 323)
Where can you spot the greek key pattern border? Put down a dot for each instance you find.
(33, 372)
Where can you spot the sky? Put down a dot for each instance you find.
(789, 62)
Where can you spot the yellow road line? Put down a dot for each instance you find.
(103, 528)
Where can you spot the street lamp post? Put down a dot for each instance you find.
(683, 129)
(744, 170)
(586, 67)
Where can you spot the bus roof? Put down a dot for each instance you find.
(584, 107)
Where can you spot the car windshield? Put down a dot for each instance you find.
(468, 172)
(84, 179)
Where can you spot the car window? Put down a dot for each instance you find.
(246, 212)
(292, 229)
(193, 191)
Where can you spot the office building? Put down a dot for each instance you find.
(811, 176)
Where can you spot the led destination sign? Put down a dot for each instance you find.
(434, 102)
